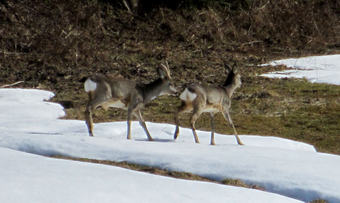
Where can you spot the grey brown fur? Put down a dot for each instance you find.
(125, 94)
(203, 98)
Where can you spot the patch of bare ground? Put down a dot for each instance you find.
(162, 172)
(54, 45)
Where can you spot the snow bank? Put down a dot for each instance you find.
(318, 69)
(31, 178)
(282, 166)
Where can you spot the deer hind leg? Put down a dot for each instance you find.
(89, 120)
(196, 114)
(139, 116)
(91, 106)
(227, 117)
(212, 139)
(183, 108)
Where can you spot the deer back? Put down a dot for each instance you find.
(98, 87)
(103, 88)
(122, 88)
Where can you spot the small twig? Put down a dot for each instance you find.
(262, 7)
(251, 43)
(127, 6)
(11, 53)
(11, 85)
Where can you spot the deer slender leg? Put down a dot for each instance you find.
(129, 124)
(131, 109)
(196, 114)
(177, 124)
(212, 139)
(181, 109)
(89, 120)
(138, 114)
(227, 117)
(91, 106)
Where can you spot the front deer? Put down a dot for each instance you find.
(125, 94)
(202, 98)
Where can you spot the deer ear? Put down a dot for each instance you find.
(228, 68)
(236, 70)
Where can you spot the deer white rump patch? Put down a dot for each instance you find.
(90, 85)
(186, 95)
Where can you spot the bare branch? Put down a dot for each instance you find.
(11, 85)
(127, 6)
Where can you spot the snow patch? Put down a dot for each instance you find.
(31, 178)
(316, 69)
(29, 124)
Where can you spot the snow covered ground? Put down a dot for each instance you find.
(31, 178)
(319, 69)
(28, 124)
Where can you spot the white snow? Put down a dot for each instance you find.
(31, 178)
(28, 124)
(318, 69)
(282, 166)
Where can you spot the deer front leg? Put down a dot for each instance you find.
(177, 125)
(138, 114)
(212, 139)
(129, 124)
(228, 118)
(131, 109)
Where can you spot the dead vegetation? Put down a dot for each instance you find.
(162, 172)
(54, 45)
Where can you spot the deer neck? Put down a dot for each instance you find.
(232, 83)
(152, 90)
(230, 89)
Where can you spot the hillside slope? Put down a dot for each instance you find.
(54, 45)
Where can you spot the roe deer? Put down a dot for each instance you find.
(202, 98)
(125, 94)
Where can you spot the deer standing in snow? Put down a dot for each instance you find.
(203, 98)
(125, 94)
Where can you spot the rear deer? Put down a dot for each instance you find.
(202, 98)
(125, 94)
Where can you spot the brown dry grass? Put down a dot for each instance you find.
(54, 44)
(162, 172)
